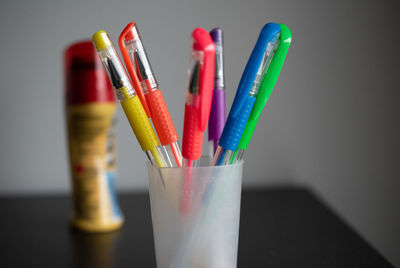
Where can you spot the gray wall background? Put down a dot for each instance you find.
(332, 122)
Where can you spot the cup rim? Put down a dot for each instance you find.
(239, 163)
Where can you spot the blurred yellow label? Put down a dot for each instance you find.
(91, 141)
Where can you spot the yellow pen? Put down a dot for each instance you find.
(128, 97)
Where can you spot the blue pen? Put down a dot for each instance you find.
(246, 93)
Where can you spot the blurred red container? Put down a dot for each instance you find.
(90, 111)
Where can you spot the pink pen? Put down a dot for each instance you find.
(199, 96)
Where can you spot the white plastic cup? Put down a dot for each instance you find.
(195, 213)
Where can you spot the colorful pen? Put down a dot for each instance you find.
(266, 88)
(246, 94)
(128, 97)
(143, 80)
(198, 96)
(217, 115)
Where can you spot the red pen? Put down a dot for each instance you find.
(145, 84)
(198, 96)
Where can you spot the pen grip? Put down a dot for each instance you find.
(161, 118)
(140, 123)
(234, 126)
(247, 134)
(192, 141)
(217, 115)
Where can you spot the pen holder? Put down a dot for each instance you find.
(195, 213)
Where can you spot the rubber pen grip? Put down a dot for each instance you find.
(161, 118)
(140, 123)
(192, 140)
(247, 133)
(234, 126)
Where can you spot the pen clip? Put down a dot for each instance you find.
(267, 85)
(253, 64)
(203, 42)
(127, 33)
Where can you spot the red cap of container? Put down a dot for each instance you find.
(85, 79)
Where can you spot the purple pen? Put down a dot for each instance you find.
(217, 116)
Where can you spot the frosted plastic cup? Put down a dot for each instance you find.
(195, 213)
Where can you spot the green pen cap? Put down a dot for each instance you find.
(267, 85)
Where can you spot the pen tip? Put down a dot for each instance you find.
(114, 75)
(194, 80)
(140, 66)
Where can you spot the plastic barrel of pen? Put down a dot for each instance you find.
(141, 73)
(198, 95)
(217, 115)
(247, 93)
(266, 88)
(197, 104)
(194, 138)
(128, 97)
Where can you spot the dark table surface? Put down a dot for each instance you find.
(279, 227)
